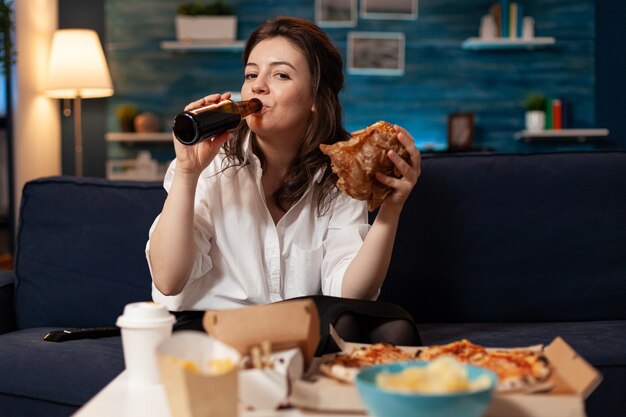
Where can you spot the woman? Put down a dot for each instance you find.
(254, 216)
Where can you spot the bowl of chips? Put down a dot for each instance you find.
(443, 387)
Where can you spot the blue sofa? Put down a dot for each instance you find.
(505, 250)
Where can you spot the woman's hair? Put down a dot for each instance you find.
(325, 124)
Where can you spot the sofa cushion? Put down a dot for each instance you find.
(513, 238)
(15, 406)
(66, 373)
(80, 255)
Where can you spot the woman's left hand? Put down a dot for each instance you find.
(409, 172)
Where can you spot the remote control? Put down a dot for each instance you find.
(81, 333)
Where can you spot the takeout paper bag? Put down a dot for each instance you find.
(286, 325)
(267, 389)
(193, 393)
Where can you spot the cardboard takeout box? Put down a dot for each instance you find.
(574, 380)
(185, 361)
(286, 325)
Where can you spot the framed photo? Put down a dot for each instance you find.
(460, 131)
(335, 13)
(376, 53)
(389, 9)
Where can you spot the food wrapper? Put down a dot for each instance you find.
(269, 387)
(200, 375)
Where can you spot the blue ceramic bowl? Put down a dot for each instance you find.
(383, 403)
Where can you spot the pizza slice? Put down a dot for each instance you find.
(517, 369)
(344, 366)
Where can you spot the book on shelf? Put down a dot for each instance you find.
(504, 18)
(566, 114)
(548, 113)
(512, 20)
(508, 17)
(496, 12)
(557, 114)
(520, 20)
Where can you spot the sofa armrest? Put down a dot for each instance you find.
(7, 302)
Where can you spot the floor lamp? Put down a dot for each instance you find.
(77, 69)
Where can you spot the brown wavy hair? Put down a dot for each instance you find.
(325, 124)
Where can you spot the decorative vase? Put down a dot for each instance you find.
(196, 28)
(535, 120)
(146, 122)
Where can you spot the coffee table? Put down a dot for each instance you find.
(121, 400)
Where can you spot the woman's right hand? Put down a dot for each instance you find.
(193, 159)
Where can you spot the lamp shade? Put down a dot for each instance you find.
(76, 66)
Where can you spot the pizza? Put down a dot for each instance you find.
(517, 369)
(357, 160)
(344, 366)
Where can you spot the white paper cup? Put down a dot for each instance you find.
(144, 325)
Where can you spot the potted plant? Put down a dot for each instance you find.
(535, 105)
(214, 21)
(126, 114)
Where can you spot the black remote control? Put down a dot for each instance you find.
(81, 333)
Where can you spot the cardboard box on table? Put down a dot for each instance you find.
(195, 392)
(574, 380)
(292, 328)
(286, 325)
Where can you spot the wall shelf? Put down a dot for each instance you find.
(202, 45)
(138, 137)
(128, 169)
(564, 135)
(478, 44)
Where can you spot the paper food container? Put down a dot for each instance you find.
(286, 325)
(574, 380)
(268, 388)
(200, 375)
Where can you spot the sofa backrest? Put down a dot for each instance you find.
(533, 237)
(80, 250)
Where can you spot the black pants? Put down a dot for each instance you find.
(360, 321)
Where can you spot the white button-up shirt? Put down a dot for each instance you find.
(243, 257)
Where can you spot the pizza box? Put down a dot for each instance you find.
(574, 380)
(286, 325)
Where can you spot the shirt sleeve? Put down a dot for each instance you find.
(346, 232)
(202, 237)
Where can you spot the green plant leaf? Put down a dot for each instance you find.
(215, 8)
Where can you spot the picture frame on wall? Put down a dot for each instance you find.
(460, 131)
(389, 9)
(335, 13)
(376, 53)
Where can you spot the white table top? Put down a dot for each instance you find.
(121, 400)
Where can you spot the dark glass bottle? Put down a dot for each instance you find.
(193, 126)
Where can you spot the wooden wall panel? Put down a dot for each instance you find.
(440, 76)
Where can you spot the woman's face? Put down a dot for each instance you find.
(278, 74)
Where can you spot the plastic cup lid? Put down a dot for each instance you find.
(145, 315)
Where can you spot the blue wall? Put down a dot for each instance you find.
(440, 77)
